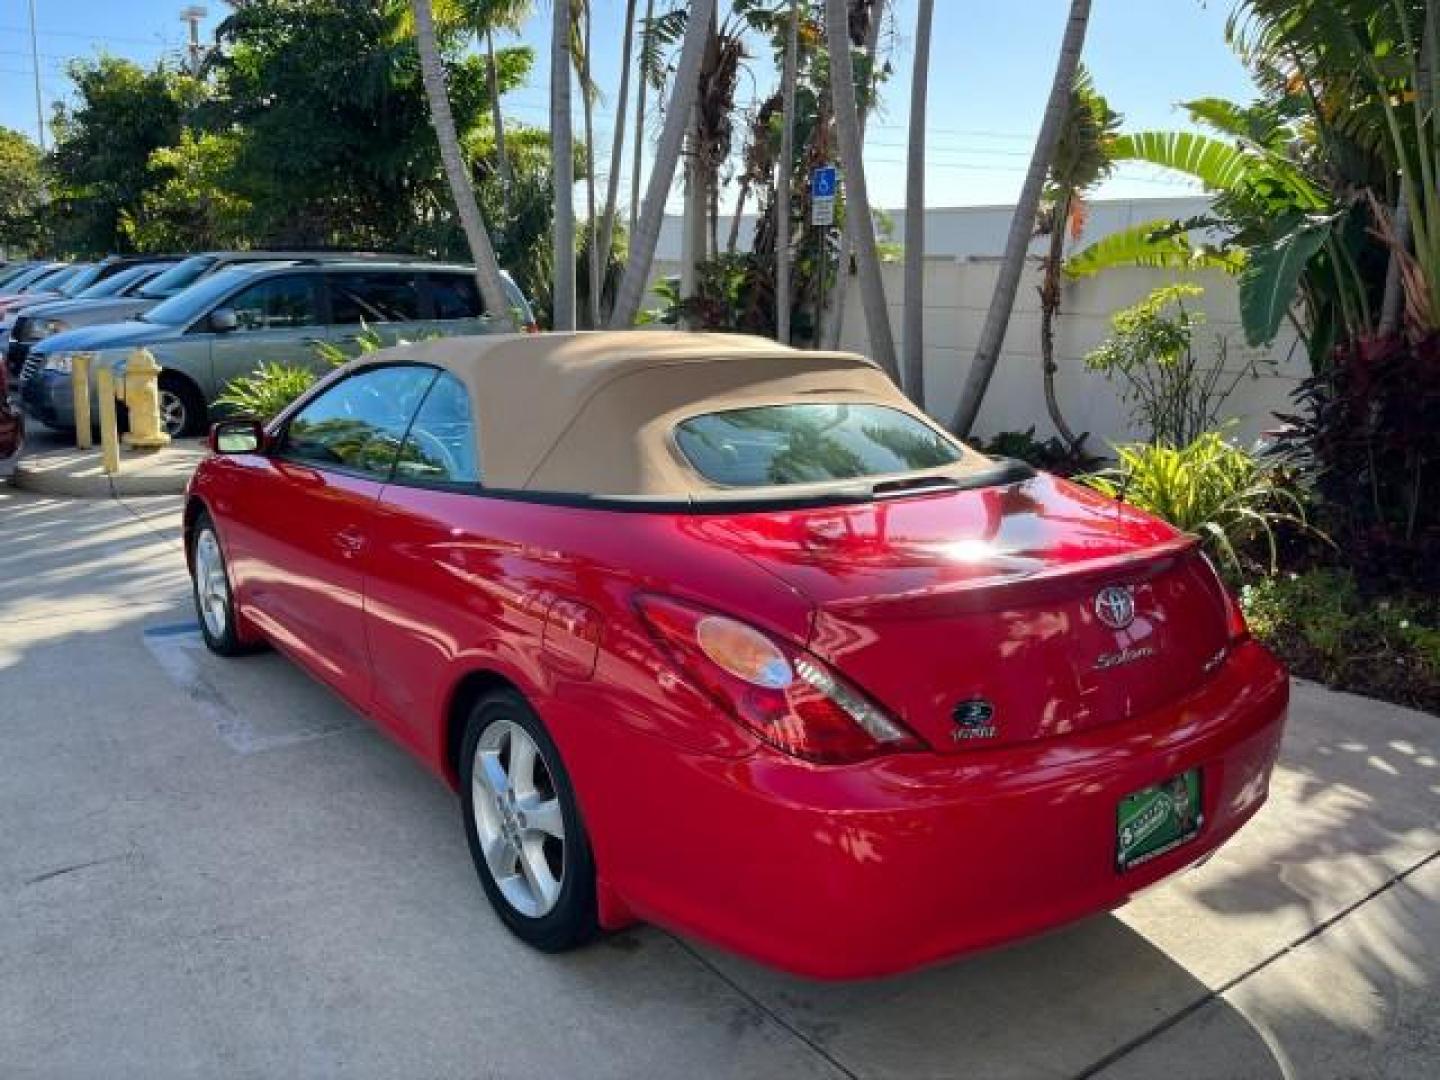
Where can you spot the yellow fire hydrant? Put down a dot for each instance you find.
(140, 391)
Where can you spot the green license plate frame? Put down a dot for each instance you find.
(1158, 819)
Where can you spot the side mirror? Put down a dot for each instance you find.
(243, 436)
(223, 320)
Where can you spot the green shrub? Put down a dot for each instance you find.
(1053, 454)
(1327, 629)
(1209, 487)
(1151, 353)
(266, 391)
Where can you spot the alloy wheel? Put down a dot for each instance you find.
(172, 413)
(518, 819)
(212, 587)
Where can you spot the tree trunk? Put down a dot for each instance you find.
(592, 237)
(678, 118)
(638, 166)
(562, 143)
(784, 176)
(1022, 225)
(834, 323)
(497, 118)
(913, 327)
(733, 241)
(1392, 304)
(617, 145)
(432, 72)
(852, 160)
(1049, 311)
(692, 243)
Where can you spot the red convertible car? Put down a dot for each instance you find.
(732, 638)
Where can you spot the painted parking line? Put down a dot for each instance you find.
(256, 703)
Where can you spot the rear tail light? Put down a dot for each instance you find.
(782, 694)
(532, 328)
(1236, 628)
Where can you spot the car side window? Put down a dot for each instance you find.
(441, 445)
(454, 296)
(278, 303)
(358, 425)
(373, 298)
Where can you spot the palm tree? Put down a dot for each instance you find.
(617, 145)
(784, 171)
(834, 321)
(487, 16)
(678, 118)
(637, 166)
(913, 325)
(1082, 160)
(432, 72)
(1022, 225)
(861, 224)
(588, 93)
(563, 139)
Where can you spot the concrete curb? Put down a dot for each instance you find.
(76, 474)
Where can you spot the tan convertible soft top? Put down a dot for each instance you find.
(593, 413)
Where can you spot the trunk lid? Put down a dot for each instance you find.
(1000, 615)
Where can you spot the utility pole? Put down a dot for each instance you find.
(192, 15)
(35, 61)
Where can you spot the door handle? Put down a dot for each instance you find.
(350, 542)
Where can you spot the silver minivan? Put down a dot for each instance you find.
(231, 322)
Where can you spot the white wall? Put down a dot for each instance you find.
(957, 294)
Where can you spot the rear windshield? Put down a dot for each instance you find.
(122, 282)
(773, 445)
(180, 276)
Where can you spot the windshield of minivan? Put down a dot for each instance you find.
(773, 445)
(81, 280)
(180, 276)
(118, 284)
(12, 273)
(52, 279)
(189, 305)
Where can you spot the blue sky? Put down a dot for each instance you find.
(990, 73)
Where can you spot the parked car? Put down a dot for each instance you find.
(12, 421)
(232, 321)
(33, 276)
(174, 280)
(15, 270)
(42, 319)
(733, 638)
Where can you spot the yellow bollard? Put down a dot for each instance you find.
(80, 388)
(141, 394)
(109, 427)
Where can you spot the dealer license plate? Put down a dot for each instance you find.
(1157, 820)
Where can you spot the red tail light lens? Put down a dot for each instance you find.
(782, 694)
(1237, 629)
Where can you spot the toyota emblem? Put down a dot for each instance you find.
(1115, 607)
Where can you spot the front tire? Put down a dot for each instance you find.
(524, 828)
(210, 588)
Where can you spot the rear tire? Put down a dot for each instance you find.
(524, 828)
(182, 406)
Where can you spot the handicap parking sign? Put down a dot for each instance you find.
(824, 181)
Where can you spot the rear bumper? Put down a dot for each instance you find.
(882, 867)
(12, 429)
(48, 397)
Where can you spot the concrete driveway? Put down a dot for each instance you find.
(213, 869)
